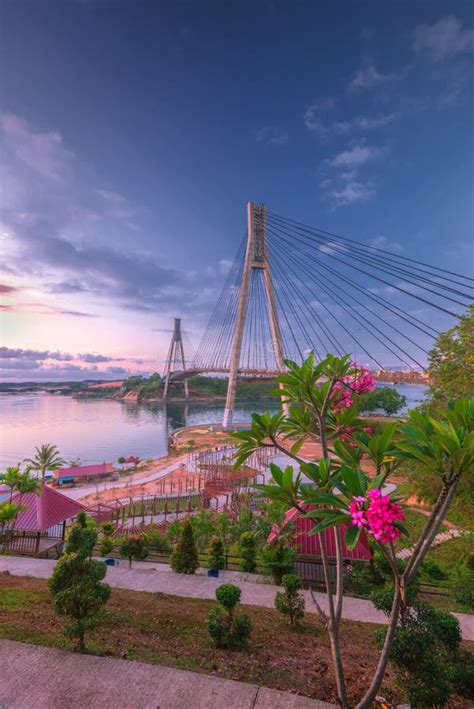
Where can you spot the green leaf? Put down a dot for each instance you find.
(352, 537)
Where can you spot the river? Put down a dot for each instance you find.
(101, 430)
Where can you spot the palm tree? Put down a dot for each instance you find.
(47, 458)
(11, 477)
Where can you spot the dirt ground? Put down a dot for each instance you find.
(171, 631)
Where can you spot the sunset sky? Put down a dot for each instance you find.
(134, 133)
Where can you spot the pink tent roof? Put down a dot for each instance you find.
(45, 510)
(310, 544)
(80, 471)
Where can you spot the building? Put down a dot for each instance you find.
(40, 527)
(308, 566)
(84, 473)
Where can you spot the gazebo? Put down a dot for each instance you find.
(40, 527)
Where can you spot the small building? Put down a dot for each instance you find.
(132, 461)
(84, 473)
(40, 527)
(309, 566)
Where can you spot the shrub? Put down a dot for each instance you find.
(463, 585)
(184, 559)
(434, 571)
(228, 628)
(462, 674)
(216, 558)
(133, 547)
(278, 559)
(157, 540)
(106, 546)
(290, 602)
(78, 593)
(108, 528)
(248, 552)
(83, 535)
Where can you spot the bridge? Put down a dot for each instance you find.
(293, 289)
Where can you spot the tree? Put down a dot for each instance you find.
(382, 398)
(451, 363)
(216, 558)
(78, 593)
(47, 458)
(17, 481)
(341, 494)
(134, 547)
(227, 628)
(290, 602)
(83, 535)
(248, 552)
(184, 558)
(279, 558)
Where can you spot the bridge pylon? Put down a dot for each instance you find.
(175, 355)
(256, 258)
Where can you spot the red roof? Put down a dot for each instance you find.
(132, 459)
(81, 471)
(45, 510)
(310, 544)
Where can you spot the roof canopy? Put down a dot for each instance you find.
(45, 510)
(81, 471)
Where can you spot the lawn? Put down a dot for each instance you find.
(171, 631)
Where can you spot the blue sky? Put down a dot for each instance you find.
(134, 133)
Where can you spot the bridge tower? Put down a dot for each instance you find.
(175, 355)
(256, 258)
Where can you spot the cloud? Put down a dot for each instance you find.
(364, 123)
(42, 152)
(442, 39)
(312, 115)
(356, 156)
(271, 136)
(381, 242)
(116, 206)
(368, 77)
(6, 290)
(19, 353)
(351, 193)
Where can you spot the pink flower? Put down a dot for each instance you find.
(378, 513)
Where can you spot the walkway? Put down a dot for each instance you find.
(452, 533)
(46, 678)
(151, 577)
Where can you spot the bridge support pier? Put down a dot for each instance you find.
(175, 353)
(256, 258)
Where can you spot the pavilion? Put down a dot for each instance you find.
(40, 527)
(84, 473)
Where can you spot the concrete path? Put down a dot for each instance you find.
(144, 576)
(46, 678)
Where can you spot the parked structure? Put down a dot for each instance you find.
(84, 473)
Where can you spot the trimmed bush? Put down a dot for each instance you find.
(83, 535)
(216, 558)
(278, 559)
(184, 559)
(134, 547)
(228, 629)
(290, 602)
(248, 552)
(106, 546)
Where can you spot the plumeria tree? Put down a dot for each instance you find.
(338, 494)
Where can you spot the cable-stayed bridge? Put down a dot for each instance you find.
(293, 289)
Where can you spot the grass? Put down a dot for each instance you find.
(448, 554)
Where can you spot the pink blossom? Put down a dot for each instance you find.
(378, 513)
(350, 386)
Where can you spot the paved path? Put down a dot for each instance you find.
(45, 678)
(150, 577)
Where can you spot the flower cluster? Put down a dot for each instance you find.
(377, 513)
(349, 386)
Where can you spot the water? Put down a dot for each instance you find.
(102, 430)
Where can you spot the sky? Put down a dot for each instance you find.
(133, 133)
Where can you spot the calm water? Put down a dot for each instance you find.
(102, 430)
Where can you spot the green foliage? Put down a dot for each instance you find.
(385, 399)
(248, 552)
(278, 559)
(83, 535)
(463, 585)
(216, 558)
(451, 363)
(106, 546)
(290, 602)
(184, 559)
(157, 540)
(433, 570)
(9, 511)
(134, 546)
(78, 593)
(228, 629)
(203, 528)
(461, 674)
(108, 528)
(46, 458)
